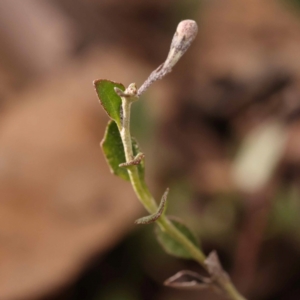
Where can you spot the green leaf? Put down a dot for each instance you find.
(113, 150)
(110, 101)
(170, 245)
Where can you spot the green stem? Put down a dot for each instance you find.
(149, 203)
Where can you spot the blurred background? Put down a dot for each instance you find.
(222, 131)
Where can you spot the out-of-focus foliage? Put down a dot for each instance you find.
(173, 247)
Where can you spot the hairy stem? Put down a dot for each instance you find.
(149, 203)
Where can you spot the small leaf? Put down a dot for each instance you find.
(113, 150)
(111, 102)
(136, 161)
(136, 151)
(188, 280)
(215, 268)
(170, 245)
(152, 218)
